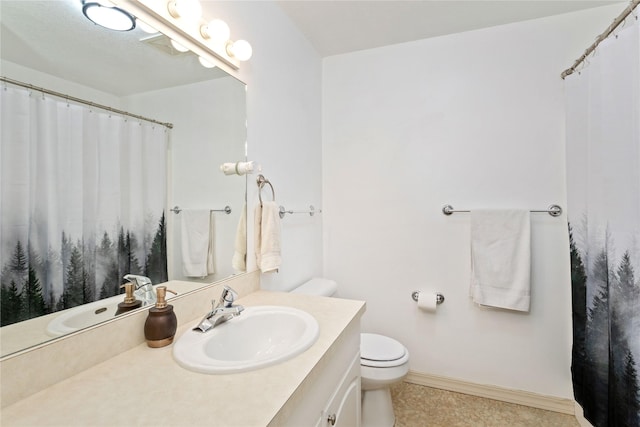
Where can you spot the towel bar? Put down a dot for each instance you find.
(227, 209)
(553, 210)
(311, 211)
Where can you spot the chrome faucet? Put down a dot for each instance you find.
(222, 312)
(143, 289)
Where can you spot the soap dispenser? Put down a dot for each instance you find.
(130, 302)
(161, 324)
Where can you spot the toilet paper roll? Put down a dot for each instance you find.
(427, 301)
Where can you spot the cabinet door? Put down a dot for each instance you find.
(344, 410)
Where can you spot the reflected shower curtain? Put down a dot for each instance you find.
(603, 183)
(82, 198)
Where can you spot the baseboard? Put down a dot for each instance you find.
(548, 403)
(580, 417)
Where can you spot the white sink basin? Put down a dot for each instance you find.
(259, 337)
(86, 315)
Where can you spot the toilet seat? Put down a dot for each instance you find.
(379, 351)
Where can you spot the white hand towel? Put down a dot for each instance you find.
(501, 258)
(267, 237)
(196, 238)
(239, 259)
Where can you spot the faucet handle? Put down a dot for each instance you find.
(228, 296)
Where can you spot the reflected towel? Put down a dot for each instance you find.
(267, 237)
(239, 259)
(211, 247)
(197, 243)
(501, 258)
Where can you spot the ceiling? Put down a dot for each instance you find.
(339, 26)
(54, 37)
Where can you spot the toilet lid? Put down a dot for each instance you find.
(374, 347)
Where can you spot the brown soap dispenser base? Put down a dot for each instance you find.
(161, 324)
(160, 343)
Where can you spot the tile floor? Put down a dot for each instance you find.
(420, 406)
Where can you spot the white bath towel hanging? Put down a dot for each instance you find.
(197, 243)
(267, 237)
(501, 258)
(239, 259)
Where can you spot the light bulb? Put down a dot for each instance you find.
(145, 27)
(216, 30)
(206, 63)
(240, 49)
(190, 10)
(177, 46)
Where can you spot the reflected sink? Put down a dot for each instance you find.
(261, 336)
(86, 315)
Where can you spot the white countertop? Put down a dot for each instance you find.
(145, 386)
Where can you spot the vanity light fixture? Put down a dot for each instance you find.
(145, 27)
(240, 49)
(206, 63)
(190, 10)
(216, 30)
(177, 46)
(110, 17)
(209, 39)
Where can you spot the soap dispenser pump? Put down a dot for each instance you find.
(161, 324)
(130, 302)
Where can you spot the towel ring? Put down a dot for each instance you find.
(261, 181)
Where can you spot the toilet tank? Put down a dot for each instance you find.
(318, 287)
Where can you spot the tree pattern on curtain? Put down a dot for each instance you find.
(604, 368)
(82, 203)
(603, 183)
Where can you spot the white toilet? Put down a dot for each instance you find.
(383, 362)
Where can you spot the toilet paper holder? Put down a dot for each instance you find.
(439, 297)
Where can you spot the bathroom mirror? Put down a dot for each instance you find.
(50, 44)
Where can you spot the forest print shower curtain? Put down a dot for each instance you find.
(82, 197)
(603, 179)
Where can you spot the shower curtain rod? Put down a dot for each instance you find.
(82, 101)
(620, 19)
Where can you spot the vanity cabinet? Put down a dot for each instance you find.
(343, 410)
(330, 396)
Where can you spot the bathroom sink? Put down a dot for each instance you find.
(86, 315)
(261, 336)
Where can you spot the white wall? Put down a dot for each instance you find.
(284, 129)
(474, 120)
(209, 128)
